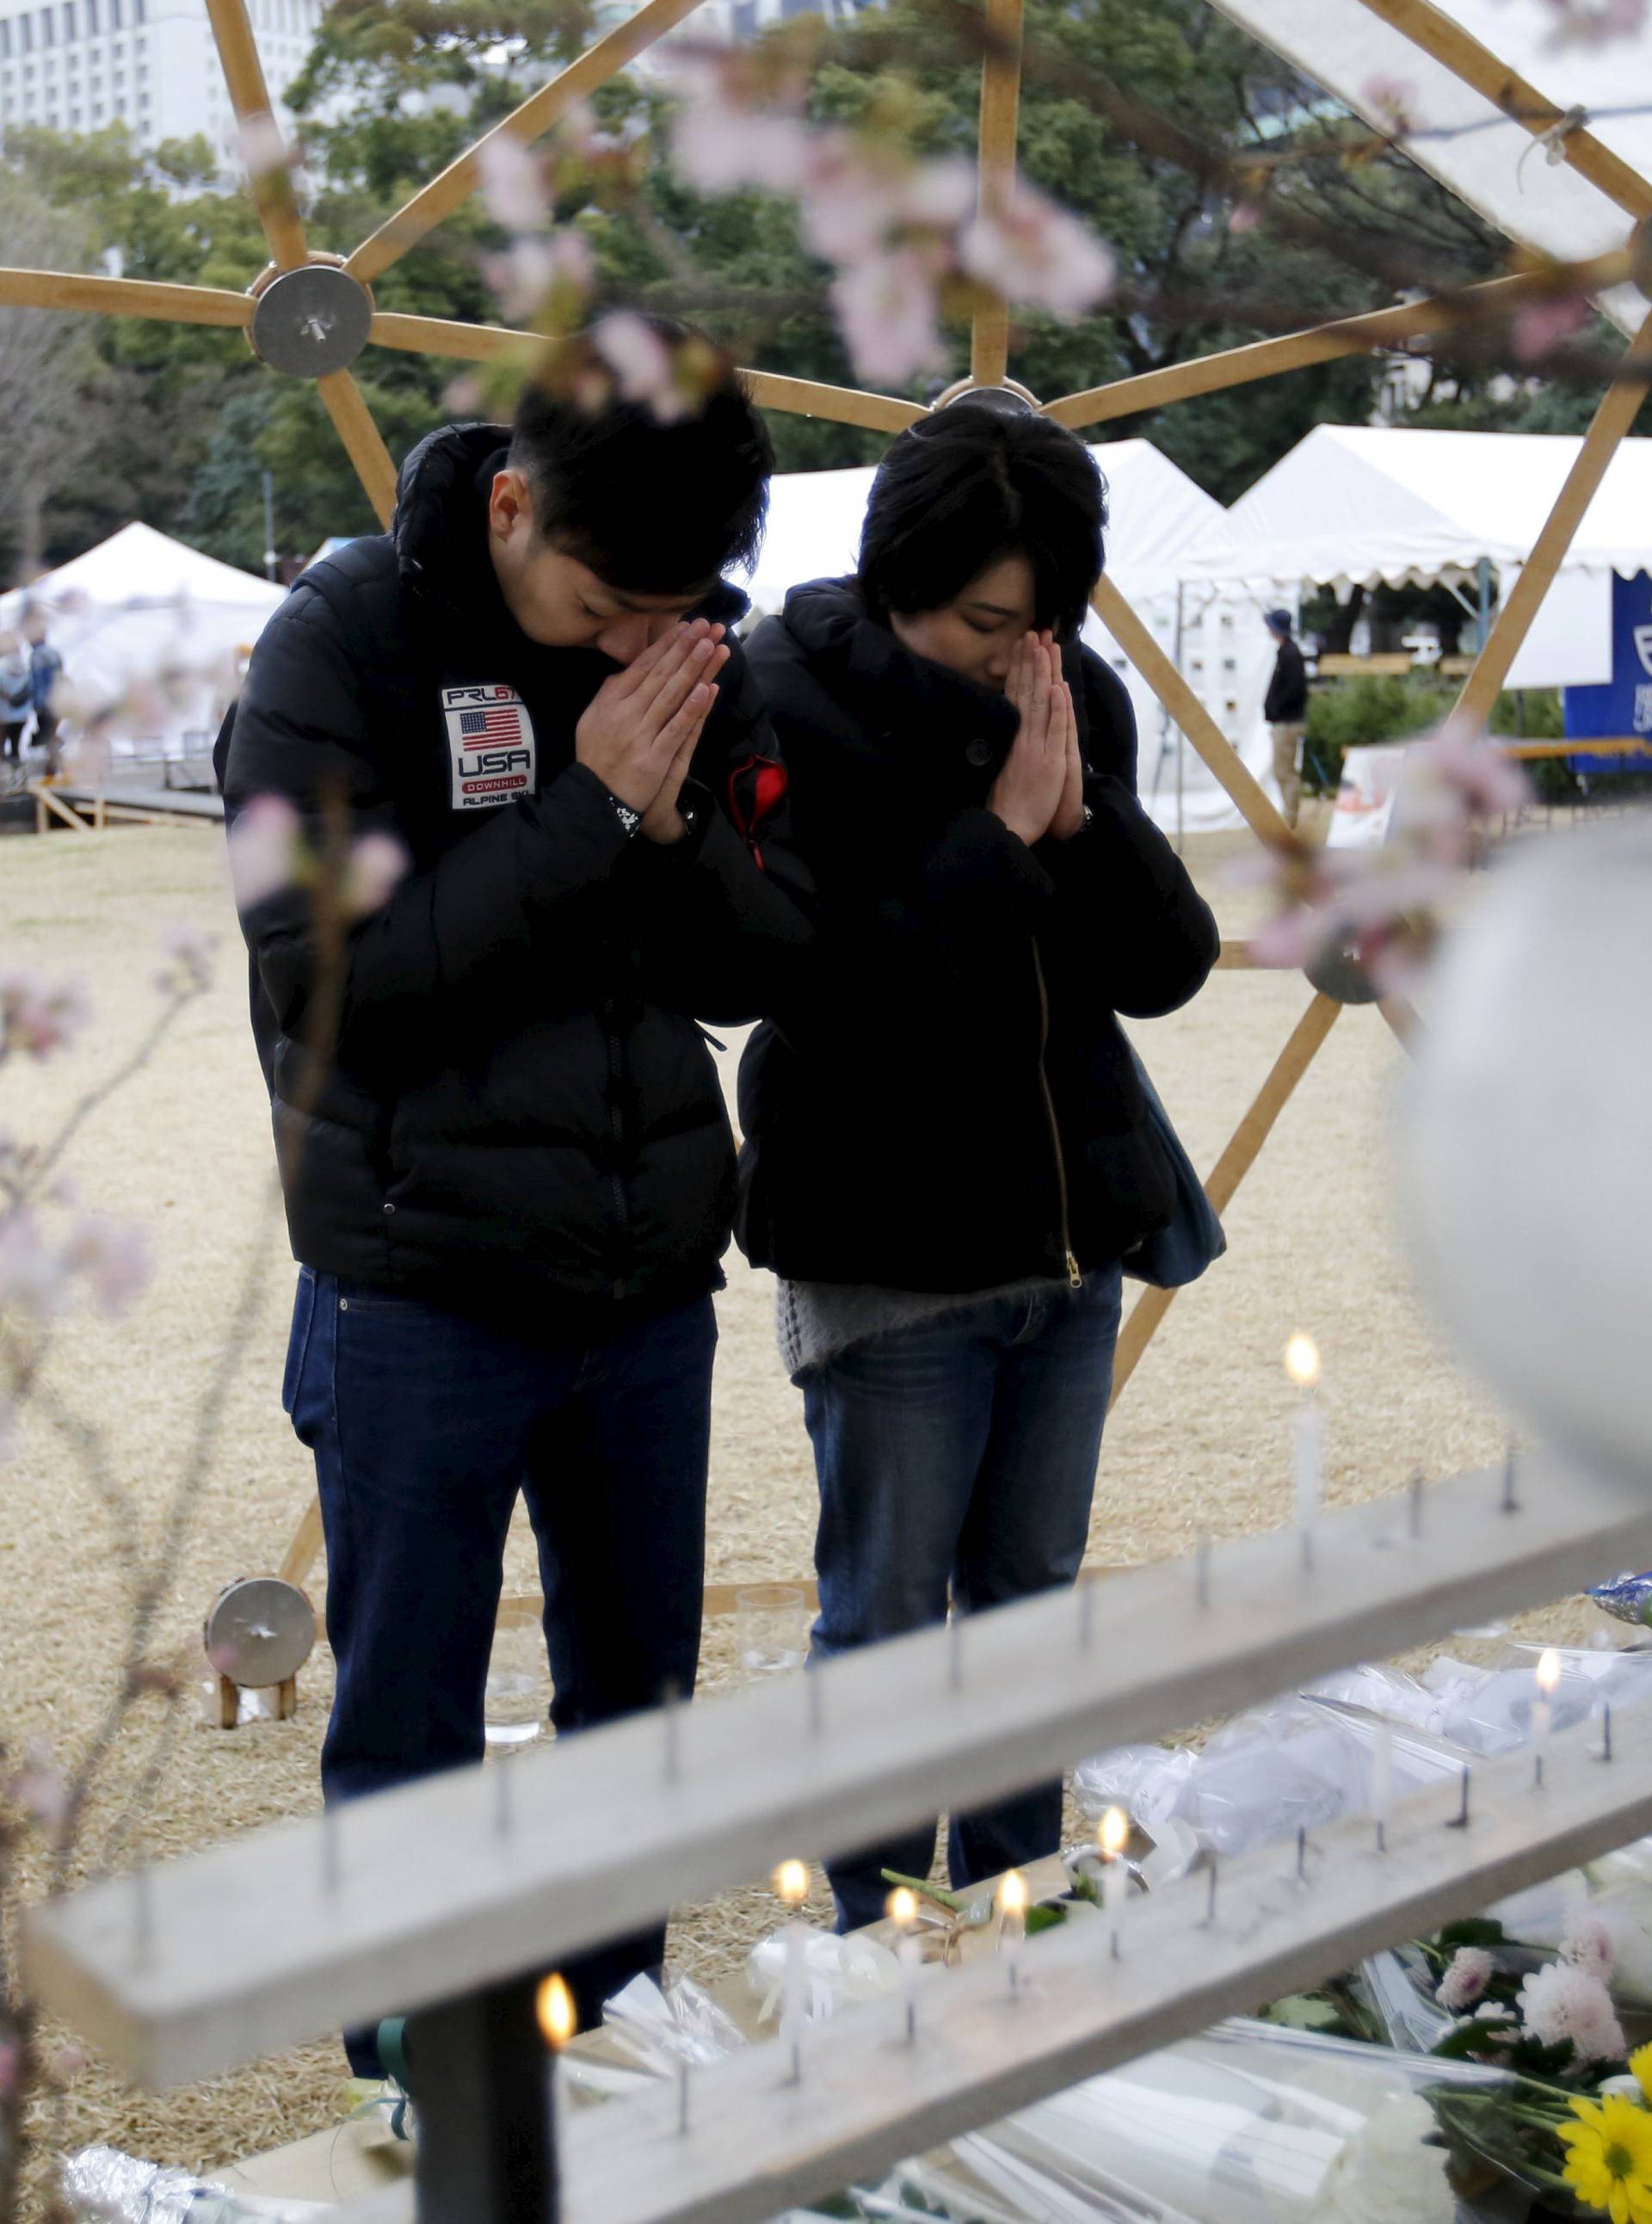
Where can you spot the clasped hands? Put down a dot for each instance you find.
(642, 727)
(1040, 790)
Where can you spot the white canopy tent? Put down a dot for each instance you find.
(1358, 50)
(1157, 513)
(136, 604)
(1361, 505)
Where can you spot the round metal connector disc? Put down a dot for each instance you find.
(1340, 974)
(309, 322)
(260, 1632)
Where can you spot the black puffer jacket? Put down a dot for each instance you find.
(522, 1119)
(952, 1106)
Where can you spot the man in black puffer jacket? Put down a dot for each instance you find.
(511, 1181)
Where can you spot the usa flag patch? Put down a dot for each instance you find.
(490, 746)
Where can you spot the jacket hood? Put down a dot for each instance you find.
(861, 662)
(439, 524)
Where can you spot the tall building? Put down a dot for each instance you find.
(152, 65)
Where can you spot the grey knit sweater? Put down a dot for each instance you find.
(816, 1321)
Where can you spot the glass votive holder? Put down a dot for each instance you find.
(771, 1628)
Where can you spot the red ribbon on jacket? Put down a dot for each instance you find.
(756, 790)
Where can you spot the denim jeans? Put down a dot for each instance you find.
(959, 1457)
(425, 1426)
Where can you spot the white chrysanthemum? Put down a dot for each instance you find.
(1466, 1978)
(1562, 2001)
(1388, 2173)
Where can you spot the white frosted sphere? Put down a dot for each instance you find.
(1526, 1140)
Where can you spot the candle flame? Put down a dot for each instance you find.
(791, 1883)
(1548, 1670)
(1112, 1832)
(1302, 1361)
(902, 1907)
(1012, 1893)
(555, 2011)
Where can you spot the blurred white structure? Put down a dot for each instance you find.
(134, 604)
(81, 64)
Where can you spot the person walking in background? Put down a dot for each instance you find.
(512, 1188)
(45, 670)
(16, 697)
(948, 1154)
(1286, 712)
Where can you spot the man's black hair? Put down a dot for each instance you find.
(653, 508)
(976, 481)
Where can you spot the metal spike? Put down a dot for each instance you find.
(1606, 1729)
(1202, 1571)
(1460, 1820)
(1301, 1855)
(682, 2098)
(1511, 1503)
(1413, 1514)
(1210, 1904)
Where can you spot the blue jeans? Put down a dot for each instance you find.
(959, 1457)
(426, 1426)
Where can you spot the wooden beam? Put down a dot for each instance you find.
(535, 117)
(1000, 117)
(424, 1893)
(1135, 639)
(271, 180)
(447, 336)
(363, 443)
(1575, 745)
(1619, 406)
(1230, 1170)
(1447, 42)
(45, 800)
(1342, 336)
(123, 297)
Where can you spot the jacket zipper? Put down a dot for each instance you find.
(617, 1130)
(1075, 1280)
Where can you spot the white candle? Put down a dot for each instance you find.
(792, 1887)
(1547, 1675)
(903, 1913)
(1012, 1923)
(1382, 1775)
(1303, 1365)
(1113, 1833)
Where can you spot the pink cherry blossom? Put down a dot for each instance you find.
(34, 1276)
(1032, 252)
(1470, 1973)
(377, 862)
(114, 1256)
(513, 181)
(641, 363)
(886, 307)
(1596, 22)
(40, 1016)
(188, 954)
(1393, 99)
(264, 846)
(1541, 326)
(38, 1787)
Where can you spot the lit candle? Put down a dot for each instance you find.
(1111, 1833)
(1303, 1365)
(1382, 1781)
(553, 2005)
(902, 1907)
(792, 1887)
(1547, 1676)
(1012, 1923)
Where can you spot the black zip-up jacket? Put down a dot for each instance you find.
(952, 1106)
(521, 1120)
(1286, 699)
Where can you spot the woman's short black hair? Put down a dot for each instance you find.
(977, 480)
(654, 507)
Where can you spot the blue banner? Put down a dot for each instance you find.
(1623, 705)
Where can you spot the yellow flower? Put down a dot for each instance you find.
(1640, 2065)
(1609, 2162)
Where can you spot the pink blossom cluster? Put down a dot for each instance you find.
(1385, 904)
(38, 1271)
(1596, 22)
(1562, 2001)
(39, 1016)
(902, 231)
(269, 851)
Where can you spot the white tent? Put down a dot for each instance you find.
(1457, 131)
(136, 603)
(1359, 505)
(1158, 512)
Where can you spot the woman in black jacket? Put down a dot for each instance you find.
(948, 1156)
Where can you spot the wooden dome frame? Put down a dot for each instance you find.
(1430, 30)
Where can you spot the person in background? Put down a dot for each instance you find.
(16, 697)
(511, 1185)
(1286, 712)
(45, 670)
(948, 1154)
